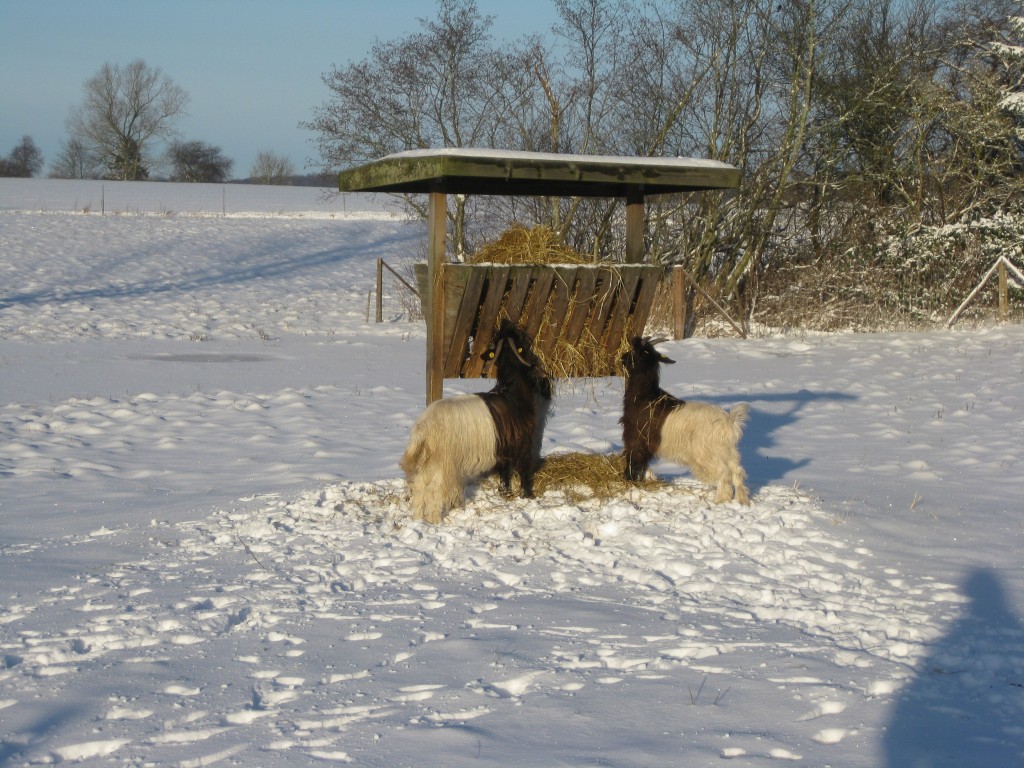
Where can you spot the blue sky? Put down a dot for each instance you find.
(251, 67)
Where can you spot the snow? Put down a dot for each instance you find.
(615, 161)
(207, 556)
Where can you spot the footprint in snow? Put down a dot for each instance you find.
(825, 708)
(830, 735)
(513, 687)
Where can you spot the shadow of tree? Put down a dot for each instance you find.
(256, 264)
(29, 740)
(966, 705)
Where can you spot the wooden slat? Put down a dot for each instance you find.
(490, 305)
(556, 308)
(462, 320)
(597, 324)
(604, 300)
(580, 306)
(540, 294)
(620, 314)
(644, 302)
(588, 308)
(520, 277)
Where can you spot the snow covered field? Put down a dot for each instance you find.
(205, 556)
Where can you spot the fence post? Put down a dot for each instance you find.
(1004, 293)
(380, 290)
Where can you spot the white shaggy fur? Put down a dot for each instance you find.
(703, 437)
(453, 441)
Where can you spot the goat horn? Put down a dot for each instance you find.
(515, 351)
(497, 349)
(522, 360)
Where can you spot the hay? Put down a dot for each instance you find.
(521, 245)
(587, 476)
(584, 359)
(590, 354)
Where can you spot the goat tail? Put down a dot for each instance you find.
(415, 452)
(737, 476)
(739, 416)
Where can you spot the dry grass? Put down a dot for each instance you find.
(587, 476)
(521, 245)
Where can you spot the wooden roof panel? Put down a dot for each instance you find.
(498, 172)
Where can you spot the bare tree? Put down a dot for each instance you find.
(421, 91)
(74, 161)
(195, 161)
(271, 168)
(124, 111)
(853, 122)
(428, 90)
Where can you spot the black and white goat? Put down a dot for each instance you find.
(461, 438)
(700, 436)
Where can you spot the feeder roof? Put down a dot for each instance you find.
(507, 172)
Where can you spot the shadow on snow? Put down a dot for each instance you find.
(255, 265)
(965, 707)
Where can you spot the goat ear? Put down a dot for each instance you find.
(663, 359)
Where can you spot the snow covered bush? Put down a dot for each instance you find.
(898, 278)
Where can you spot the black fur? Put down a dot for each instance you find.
(645, 406)
(517, 404)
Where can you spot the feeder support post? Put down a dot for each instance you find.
(634, 227)
(437, 219)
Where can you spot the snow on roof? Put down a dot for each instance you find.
(512, 172)
(556, 157)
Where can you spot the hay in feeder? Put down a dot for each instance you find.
(585, 358)
(592, 350)
(587, 476)
(521, 245)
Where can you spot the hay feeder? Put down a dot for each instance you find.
(589, 312)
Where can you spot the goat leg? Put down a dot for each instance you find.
(637, 460)
(526, 476)
(505, 478)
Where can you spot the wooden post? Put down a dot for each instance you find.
(1004, 293)
(437, 219)
(634, 227)
(678, 303)
(380, 290)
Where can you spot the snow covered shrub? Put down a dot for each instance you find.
(896, 278)
(933, 269)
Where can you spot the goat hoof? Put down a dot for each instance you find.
(432, 517)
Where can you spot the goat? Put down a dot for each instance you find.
(461, 438)
(700, 436)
